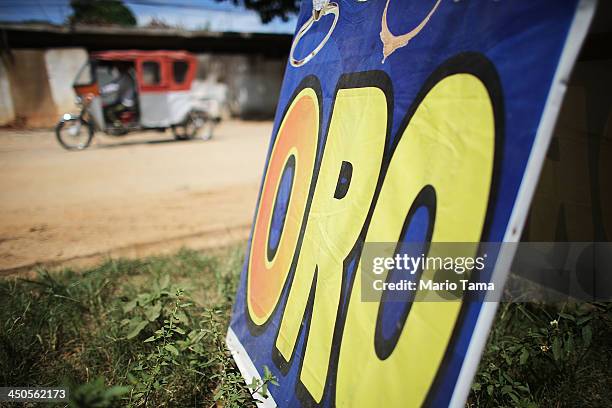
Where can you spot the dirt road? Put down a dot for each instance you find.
(129, 196)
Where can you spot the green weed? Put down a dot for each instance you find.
(127, 333)
(547, 355)
(151, 333)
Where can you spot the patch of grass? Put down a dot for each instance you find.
(138, 333)
(547, 356)
(151, 333)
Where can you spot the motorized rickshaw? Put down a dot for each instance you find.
(122, 91)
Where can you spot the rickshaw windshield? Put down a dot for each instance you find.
(85, 75)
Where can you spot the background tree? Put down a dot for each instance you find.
(268, 9)
(157, 22)
(101, 12)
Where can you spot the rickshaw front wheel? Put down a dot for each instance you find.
(74, 133)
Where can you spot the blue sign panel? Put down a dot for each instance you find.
(398, 121)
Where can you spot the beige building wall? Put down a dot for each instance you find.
(7, 112)
(30, 90)
(63, 64)
(247, 86)
(36, 85)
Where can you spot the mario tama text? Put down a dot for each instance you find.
(422, 271)
(422, 284)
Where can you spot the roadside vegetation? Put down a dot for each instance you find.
(139, 333)
(151, 333)
(547, 356)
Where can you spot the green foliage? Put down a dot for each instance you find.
(152, 371)
(96, 394)
(125, 333)
(535, 353)
(115, 12)
(270, 9)
(259, 388)
(101, 12)
(151, 333)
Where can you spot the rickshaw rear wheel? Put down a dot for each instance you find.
(191, 128)
(69, 133)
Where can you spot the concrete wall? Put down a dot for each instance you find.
(63, 64)
(30, 91)
(36, 85)
(7, 111)
(248, 85)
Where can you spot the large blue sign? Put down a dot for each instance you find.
(398, 121)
